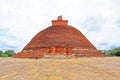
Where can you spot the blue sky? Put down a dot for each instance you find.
(98, 20)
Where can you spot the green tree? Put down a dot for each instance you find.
(117, 53)
(10, 52)
(111, 52)
(108, 53)
(1, 52)
(4, 55)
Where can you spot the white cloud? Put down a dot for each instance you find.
(97, 19)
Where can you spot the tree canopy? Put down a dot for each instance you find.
(7, 53)
(4, 55)
(112, 52)
(1, 52)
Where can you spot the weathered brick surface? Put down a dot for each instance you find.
(60, 38)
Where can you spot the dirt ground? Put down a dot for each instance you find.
(107, 68)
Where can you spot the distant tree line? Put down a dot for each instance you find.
(7, 53)
(112, 52)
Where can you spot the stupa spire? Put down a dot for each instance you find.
(59, 22)
(59, 18)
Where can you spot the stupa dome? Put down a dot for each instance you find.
(60, 38)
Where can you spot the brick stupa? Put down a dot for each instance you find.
(59, 41)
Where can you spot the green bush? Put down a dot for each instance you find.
(112, 52)
(4, 55)
(117, 53)
(1, 52)
(7, 53)
(10, 52)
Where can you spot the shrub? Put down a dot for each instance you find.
(10, 52)
(1, 53)
(117, 53)
(4, 55)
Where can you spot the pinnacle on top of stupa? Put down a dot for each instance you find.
(59, 22)
(59, 18)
